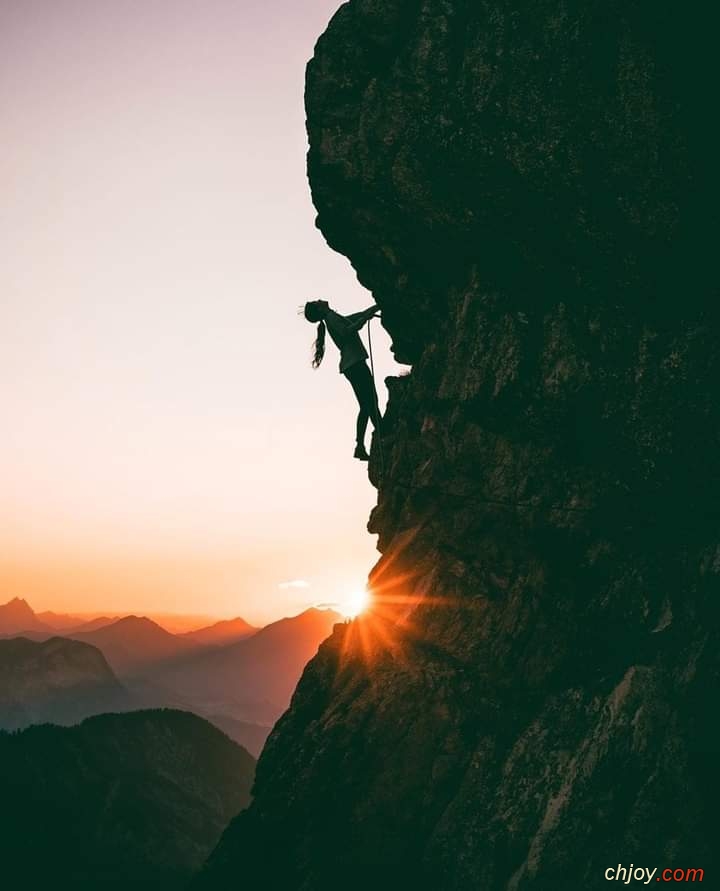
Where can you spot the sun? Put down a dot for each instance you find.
(355, 603)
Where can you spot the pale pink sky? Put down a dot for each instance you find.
(166, 446)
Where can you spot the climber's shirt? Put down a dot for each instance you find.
(344, 332)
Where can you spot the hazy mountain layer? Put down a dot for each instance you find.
(17, 615)
(253, 679)
(134, 643)
(221, 633)
(242, 686)
(58, 680)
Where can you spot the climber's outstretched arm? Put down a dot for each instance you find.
(358, 319)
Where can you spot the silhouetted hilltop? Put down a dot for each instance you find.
(94, 624)
(118, 802)
(144, 693)
(58, 680)
(17, 615)
(220, 633)
(134, 642)
(530, 191)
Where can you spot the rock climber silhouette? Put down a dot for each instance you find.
(344, 330)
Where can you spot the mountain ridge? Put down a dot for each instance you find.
(134, 642)
(118, 801)
(240, 686)
(222, 632)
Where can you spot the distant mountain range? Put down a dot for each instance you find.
(127, 642)
(59, 621)
(238, 677)
(61, 681)
(121, 801)
(258, 672)
(133, 642)
(18, 616)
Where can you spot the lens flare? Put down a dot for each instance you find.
(355, 603)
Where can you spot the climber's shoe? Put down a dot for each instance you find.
(360, 453)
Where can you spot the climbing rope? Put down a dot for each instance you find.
(377, 406)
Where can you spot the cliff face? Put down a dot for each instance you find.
(530, 192)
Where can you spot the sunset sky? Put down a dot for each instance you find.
(166, 446)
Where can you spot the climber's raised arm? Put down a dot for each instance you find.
(356, 320)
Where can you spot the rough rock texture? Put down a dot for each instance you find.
(530, 191)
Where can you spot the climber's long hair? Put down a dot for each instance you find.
(312, 315)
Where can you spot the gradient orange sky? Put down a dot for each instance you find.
(166, 446)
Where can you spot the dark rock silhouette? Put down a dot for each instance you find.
(530, 191)
(118, 802)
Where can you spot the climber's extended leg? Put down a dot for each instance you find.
(364, 389)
